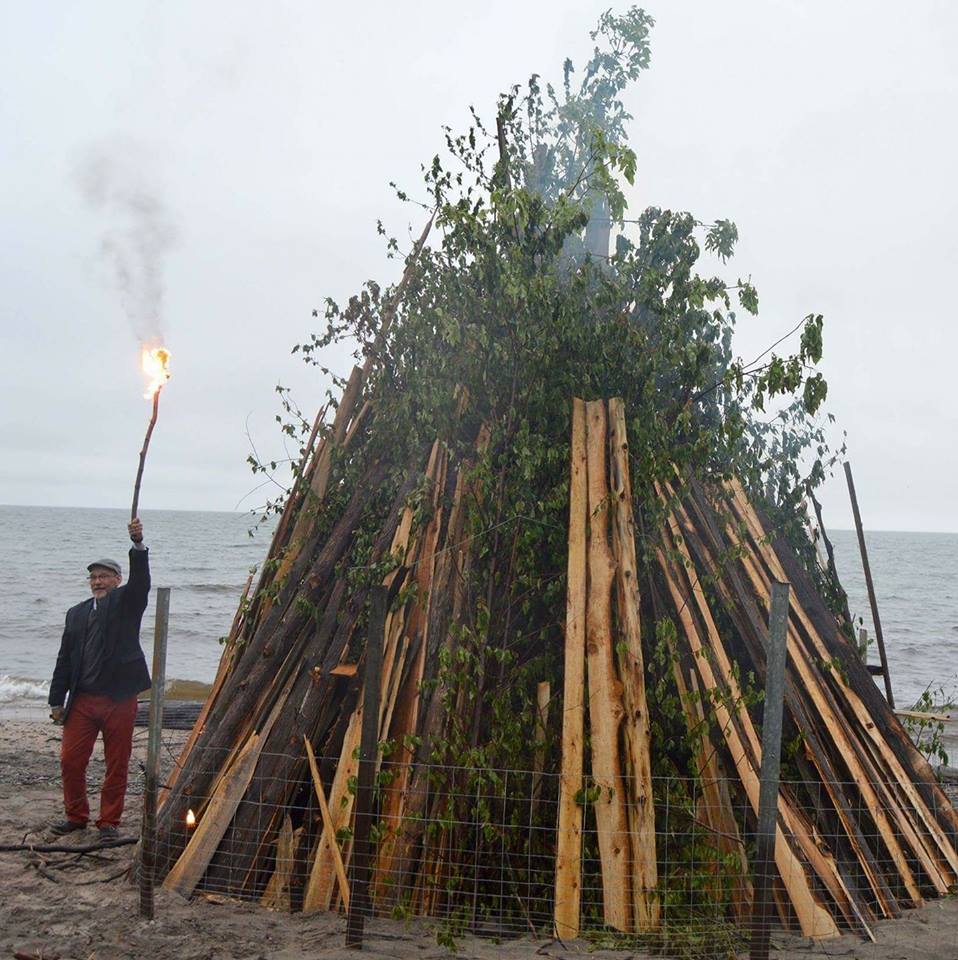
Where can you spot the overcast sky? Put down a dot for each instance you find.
(269, 133)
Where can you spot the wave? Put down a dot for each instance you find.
(15, 688)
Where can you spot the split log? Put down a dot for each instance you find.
(736, 727)
(712, 552)
(249, 692)
(605, 690)
(933, 849)
(277, 893)
(406, 714)
(568, 880)
(447, 600)
(630, 663)
(216, 816)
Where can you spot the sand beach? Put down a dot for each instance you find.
(82, 907)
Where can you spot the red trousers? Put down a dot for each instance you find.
(89, 715)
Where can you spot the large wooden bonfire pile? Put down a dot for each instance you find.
(863, 828)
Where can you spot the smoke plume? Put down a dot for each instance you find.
(117, 179)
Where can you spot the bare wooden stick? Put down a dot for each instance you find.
(146, 446)
(64, 848)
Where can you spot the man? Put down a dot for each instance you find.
(101, 668)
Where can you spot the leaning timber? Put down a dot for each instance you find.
(863, 829)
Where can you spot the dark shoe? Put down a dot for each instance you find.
(109, 833)
(62, 827)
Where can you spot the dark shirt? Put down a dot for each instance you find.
(91, 657)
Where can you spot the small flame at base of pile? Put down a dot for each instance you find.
(190, 819)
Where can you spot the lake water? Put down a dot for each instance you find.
(206, 557)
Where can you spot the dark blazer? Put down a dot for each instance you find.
(124, 671)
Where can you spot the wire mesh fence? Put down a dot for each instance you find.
(475, 850)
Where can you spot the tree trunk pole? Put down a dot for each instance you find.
(146, 446)
(873, 601)
(148, 830)
(359, 903)
(771, 763)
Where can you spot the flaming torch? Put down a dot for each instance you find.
(156, 367)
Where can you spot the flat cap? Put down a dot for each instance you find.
(107, 565)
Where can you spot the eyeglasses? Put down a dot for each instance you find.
(101, 576)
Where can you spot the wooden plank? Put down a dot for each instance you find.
(321, 885)
(447, 596)
(322, 877)
(606, 711)
(360, 905)
(222, 672)
(405, 715)
(941, 875)
(921, 715)
(276, 895)
(568, 874)
(892, 733)
(630, 664)
(329, 832)
(866, 779)
(814, 918)
(344, 670)
(800, 828)
(705, 541)
(717, 799)
(188, 870)
(543, 696)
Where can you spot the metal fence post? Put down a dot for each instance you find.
(359, 901)
(872, 599)
(771, 763)
(148, 829)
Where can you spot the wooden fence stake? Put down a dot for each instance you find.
(771, 761)
(359, 902)
(148, 829)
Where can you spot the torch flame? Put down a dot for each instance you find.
(156, 366)
(190, 819)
